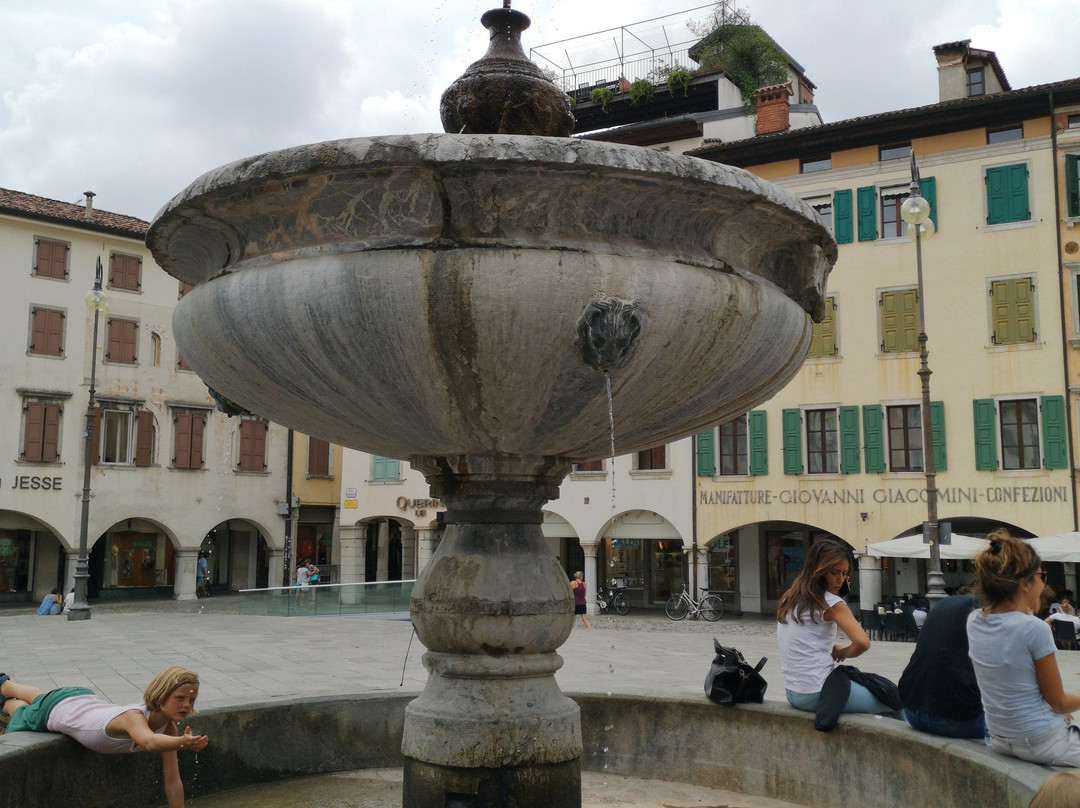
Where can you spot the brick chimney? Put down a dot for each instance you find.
(773, 108)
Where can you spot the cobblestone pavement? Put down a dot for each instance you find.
(247, 657)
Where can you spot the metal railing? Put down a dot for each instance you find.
(327, 600)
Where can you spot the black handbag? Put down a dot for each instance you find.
(732, 680)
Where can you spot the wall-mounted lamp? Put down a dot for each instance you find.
(863, 515)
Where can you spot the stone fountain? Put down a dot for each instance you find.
(456, 299)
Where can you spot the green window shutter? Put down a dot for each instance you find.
(792, 423)
(756, 423)
(1072, 184)
(867, 199)
(937, 435)
(849, 440)
(986, 458)
(873, 445)
(843, 221)
(928, 191)
(1007, 194)
(1013, 306)
(899, 309)
(706, 457)
(1055, 455)
(823, 335)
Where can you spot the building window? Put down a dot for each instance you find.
(737, 447)
(125, 272)
(1074, 121)
(732, 456)
(824, 207)
(819, 164)
(904, 422)
(189, 429)
(899, 320)
(184, 289)
(1007, 194)
(385, 469)
(318, 457)
(50, 258)
(252, 439)
(892, 223)
(1019, 433)
(976, 81)
(47, 331)
(1004, 135)
(822, 442)
(1025, 433)
(589, 465)
(122, 341)
(894, 152)
(41, 430)
(181, 363)
(823, 342)
(123, 435)
(1072, 184)
(652, 459)
(1012, 305)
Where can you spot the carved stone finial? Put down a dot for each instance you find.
(504, 93)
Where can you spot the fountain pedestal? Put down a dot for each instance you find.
(492, 728)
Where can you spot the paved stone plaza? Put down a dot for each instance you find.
(244, 658)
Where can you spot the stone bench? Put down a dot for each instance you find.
(769, 750)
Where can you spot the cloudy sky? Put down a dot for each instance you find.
(133, 99)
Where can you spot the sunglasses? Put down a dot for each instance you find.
(1041, 574)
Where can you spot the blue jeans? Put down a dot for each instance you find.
(946, 727)
(860, 700)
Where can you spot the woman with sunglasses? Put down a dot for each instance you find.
(1013, 653)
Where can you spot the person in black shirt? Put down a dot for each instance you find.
(938, 687)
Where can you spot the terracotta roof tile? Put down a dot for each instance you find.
(17, 203)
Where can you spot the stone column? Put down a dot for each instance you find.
(869, 581)
(425, 547)
(591, 582)
(276, 560)
(184, 575)
(491, 728)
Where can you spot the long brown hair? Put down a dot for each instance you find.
(1002, 566)
(807, 592)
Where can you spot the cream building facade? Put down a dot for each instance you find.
(839, 451)
(633, 524)
(170, 475)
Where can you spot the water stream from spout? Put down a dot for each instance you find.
(611, 430)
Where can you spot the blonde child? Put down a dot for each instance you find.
(1059, 790)
(99, 725)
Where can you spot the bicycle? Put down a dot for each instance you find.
(708, 606)
(612, 599)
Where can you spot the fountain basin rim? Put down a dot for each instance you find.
(686, 208)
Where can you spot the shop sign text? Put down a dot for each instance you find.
(995, 494)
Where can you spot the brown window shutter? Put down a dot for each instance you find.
(50, 444)
(115, 340)
(198, 426)
(39, 332)
(55, 332)
(51, 259)
(144, 438)
(246, 444)
(35, 430)
(318, 457)
(184, 289)
(182, 438)
(131, 346)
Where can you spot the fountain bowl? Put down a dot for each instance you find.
(419, 295)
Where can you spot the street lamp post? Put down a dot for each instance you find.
(916, 212)
(80, 609)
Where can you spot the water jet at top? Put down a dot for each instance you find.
(450, 299)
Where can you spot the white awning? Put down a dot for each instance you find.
(1060, 547)
(914, 547)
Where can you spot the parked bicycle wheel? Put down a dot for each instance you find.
(712, 608)
(675, 608)
(621, 603)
